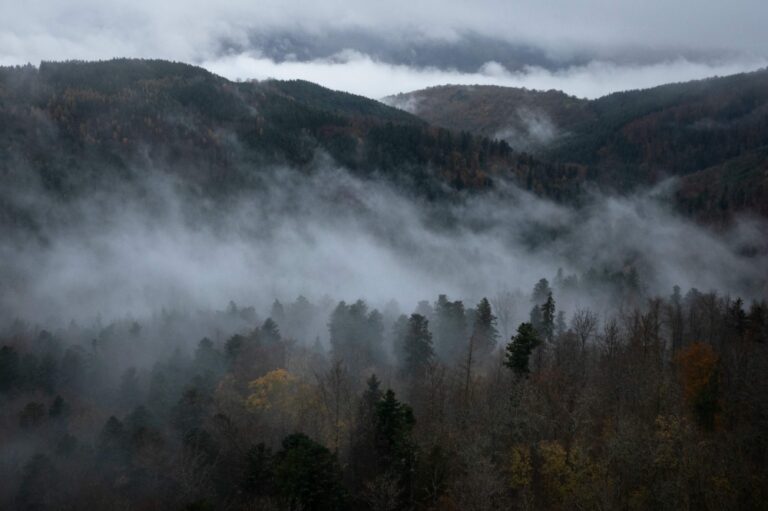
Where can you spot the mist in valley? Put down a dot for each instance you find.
(149, 309)
(151, 245)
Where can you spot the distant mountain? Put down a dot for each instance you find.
(712, 133)
(528, 120)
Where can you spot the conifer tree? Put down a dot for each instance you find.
(548, 318)
(308, 475)
(484, 333)
(450, 328)
(519, 349)
(270, 332)
(364, 447)
(396, 450)
(541, 291)
(417, 346)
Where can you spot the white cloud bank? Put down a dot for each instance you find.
(359, 74)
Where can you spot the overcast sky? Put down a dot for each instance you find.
(375, 48)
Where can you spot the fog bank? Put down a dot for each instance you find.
(136, 250)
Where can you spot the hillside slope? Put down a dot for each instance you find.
(694, 130)
(72, 124)
(527, 119)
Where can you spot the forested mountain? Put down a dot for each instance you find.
(113, 117)
(713, 133)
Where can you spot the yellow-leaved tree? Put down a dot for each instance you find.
(276, 389)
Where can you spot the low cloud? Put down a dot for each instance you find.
(334, 235)
(530, 129)
(358, 73)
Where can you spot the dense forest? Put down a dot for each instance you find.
(116, 116)
(660, 403)
(114, 120)
(220, 295)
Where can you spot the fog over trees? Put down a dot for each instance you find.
(378, 417)
(517, 389)
(242, 296)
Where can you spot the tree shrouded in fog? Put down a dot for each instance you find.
(481, 342)
(225, 420)
(450, 328)
(547, 319)
(417, 347)
(357, 335)
(541, 291)
(484, 332)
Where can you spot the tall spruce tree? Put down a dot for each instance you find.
(548, 318)
(484, 332)
(540, 292)
(417, 347)
(450, 327)
(396, 450)
(363, 449)
(356, 334)
(519, 349)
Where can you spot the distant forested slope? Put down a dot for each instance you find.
(713, 132)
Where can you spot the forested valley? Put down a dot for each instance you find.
(221, 295)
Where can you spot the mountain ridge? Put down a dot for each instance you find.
(110, 112)
(70, 124)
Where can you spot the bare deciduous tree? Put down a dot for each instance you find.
(584, 325)
(383, 493)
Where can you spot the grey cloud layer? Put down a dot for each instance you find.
(611, 45)
(592, 24)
